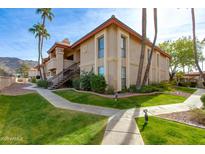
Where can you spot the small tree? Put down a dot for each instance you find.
(179, 77)
(23, 70)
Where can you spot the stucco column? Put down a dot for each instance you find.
(128, 62)
(59, 60)
(118, 62)
(96, 56)
(105, 56)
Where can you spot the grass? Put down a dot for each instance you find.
(123, 103)
(185, 89)
(164, 132)
(30, 119)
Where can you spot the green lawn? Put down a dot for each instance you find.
(30, 119)
(185, 89)
(123, 103)
(164, 132)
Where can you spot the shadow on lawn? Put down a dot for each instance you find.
(143, 127)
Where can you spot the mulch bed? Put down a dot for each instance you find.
(193, 117)
(16, 89)
(180, 93)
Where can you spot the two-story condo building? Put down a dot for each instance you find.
(113, 50)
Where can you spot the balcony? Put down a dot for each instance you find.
(51, 64)
(68, 63)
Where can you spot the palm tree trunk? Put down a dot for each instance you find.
(144, 24)
(42, 38)
(194, 44)
(39, 55)
(146, 75)
(44, 73)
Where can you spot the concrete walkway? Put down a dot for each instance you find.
(190, 103)
(122, 130)
(62, 103)
(121, 127)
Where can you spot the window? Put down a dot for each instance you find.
(123, 77)
(101, 70)
(70, 57)
(123, 46)
(101, 47)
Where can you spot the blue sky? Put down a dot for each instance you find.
(16, 41)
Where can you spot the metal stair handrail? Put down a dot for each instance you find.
(62, 72)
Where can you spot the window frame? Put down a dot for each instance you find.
(123, 46)
(123, 77)
(99, 68)
(101, 50)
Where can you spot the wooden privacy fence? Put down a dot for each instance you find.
(6, 81)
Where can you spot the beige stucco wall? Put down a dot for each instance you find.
(6, 81)
(112, 61)
(87, 55)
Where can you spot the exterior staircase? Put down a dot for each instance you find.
(59, 79)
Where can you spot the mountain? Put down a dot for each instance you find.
(10, 64)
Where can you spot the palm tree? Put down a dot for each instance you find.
(45, 14)
(37, 31)
(152, 49)
(140, 68)
(195, 45)
(46, 35)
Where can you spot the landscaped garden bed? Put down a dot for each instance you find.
(122, 103)
(30, 119)
(164, 132)
(185, 89)
(193, 117)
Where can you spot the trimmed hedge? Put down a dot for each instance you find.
(163, 86)
(85, 79)
(98, 83)
(203, 99)
(42, 83)
(149, 89)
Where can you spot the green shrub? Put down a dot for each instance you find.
(185, 84)
(42, 83)
(132, 89)
(110, 90)
(85, 79)
(76, 83)
(124, 90)
(203, 99)
(33, 80)
(149, 89)
(164, 85)
(98, 83)
(173, 83)
(193, 84)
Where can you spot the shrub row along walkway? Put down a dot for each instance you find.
(121, 127)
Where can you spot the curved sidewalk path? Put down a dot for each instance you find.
(121, 127)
